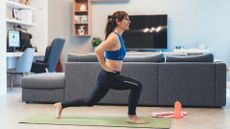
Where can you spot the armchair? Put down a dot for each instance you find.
(50, 61)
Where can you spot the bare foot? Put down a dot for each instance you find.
(136, 120)
(59, 109)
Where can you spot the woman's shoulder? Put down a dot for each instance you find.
(113, 36)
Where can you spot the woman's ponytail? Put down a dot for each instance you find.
(112, 22)
(110, 26)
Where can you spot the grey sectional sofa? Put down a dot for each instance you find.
(195, 84)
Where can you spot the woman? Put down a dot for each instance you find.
(110, 54)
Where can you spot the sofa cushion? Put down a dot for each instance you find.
(208, 57)
(72, 57)
(44, 81)
(144, 58)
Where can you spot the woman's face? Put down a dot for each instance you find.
(124, 24)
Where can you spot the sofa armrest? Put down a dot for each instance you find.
(221, 70)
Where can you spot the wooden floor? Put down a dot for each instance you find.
(12, 110)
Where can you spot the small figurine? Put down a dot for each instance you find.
(81, 30)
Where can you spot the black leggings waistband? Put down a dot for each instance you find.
(110, 73)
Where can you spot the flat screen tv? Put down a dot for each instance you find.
(146, 32)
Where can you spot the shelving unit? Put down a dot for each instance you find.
(82, 18)
(18, 5)
(15, 5)
(18, 14)
(14, 21)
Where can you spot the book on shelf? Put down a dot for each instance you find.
(10, 13)
(81, 19)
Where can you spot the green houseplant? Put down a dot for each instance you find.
(96, 41)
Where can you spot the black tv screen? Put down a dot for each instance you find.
(146, 32)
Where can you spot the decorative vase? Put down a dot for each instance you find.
(26, 2)
(83, 7)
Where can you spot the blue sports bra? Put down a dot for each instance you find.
(118, 54)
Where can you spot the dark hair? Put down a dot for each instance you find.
(111, 24)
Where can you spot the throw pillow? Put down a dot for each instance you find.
(208, 57)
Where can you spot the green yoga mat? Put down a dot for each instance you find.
(163, 123)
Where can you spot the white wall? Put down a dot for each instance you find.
(190, 23)
(40, 30)
(3, 47)
(60, 25)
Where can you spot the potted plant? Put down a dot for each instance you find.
(96, 41)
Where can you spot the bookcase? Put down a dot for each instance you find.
(82, 17)
(20, 14)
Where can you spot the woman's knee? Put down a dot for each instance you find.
(138, 86)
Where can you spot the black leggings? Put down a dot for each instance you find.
(105, 81)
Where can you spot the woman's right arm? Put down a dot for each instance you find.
(107, 44)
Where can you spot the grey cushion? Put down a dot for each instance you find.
(44, 81)
(208, 57)
(72, 57)
(144, 58)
